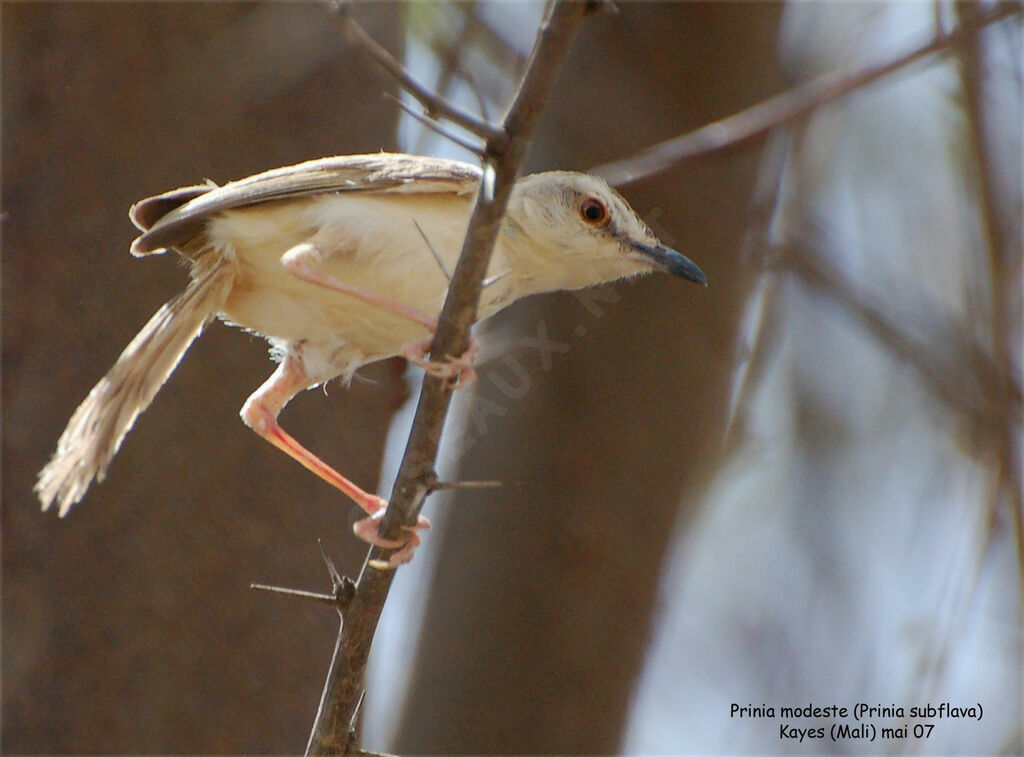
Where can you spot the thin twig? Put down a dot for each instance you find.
(342, 588)
(955, 369)
(744, 128)
(437, 256)
(434, 126)
(327, 599)
(504, 150)
(332, 569)
(449, 53)
(494, 279)
(448, 485)
(433, 104)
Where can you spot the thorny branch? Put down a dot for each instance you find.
(505, 146)
(755, 123)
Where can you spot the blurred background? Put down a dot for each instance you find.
(802, 484)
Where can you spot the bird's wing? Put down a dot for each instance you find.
(174, 218)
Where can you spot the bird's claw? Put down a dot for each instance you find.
(459, 368)
(368, 529)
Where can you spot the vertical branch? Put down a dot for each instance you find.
(503, 153)
(1004, 264)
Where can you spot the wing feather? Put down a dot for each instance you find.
(173, 218)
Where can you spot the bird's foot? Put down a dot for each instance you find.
(368, 529)
(458, 368)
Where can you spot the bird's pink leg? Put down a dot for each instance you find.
(303, 261)
(260, 413)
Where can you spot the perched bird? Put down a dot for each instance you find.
(340, 262)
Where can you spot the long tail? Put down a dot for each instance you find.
(99, 425)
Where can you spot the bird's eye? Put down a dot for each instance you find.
(594, 212)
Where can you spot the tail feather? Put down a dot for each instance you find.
(99, 425)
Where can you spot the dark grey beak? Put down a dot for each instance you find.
(670, 261)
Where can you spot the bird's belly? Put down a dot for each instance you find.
(391, 261)
(338, 326)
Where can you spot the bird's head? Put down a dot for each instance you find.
(568, 230)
